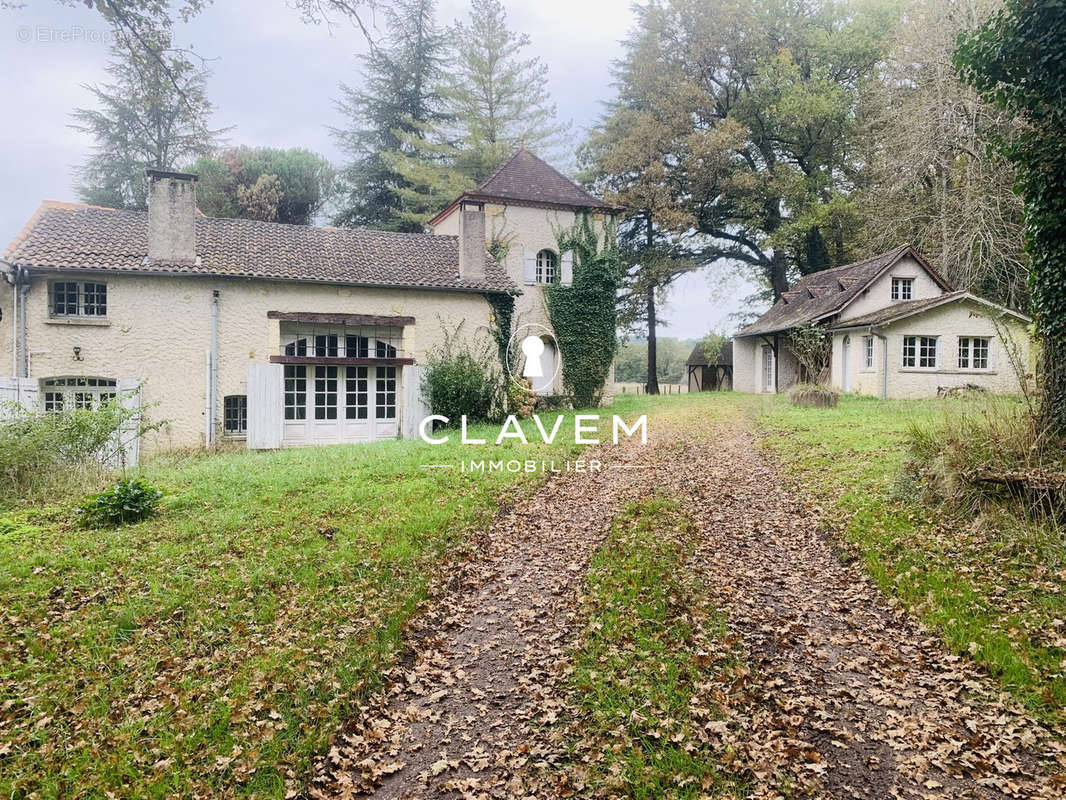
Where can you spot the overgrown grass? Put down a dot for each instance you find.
(213, 650)
(651, 647)
(993, 586)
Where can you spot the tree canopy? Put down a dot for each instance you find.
(263, 183)
(153, 114)
(1017, 60)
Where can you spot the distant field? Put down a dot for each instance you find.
(638, 388)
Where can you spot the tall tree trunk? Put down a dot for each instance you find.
(778, 274)
(653, 367)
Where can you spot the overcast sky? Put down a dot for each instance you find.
(274, 80)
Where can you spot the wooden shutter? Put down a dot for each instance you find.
(415, 408)
(23, 391)
(129, 440)
(530, 266)
(566, 277)
(266, 406)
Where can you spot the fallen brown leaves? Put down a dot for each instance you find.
(817, 686)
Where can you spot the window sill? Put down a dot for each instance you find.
(89, 321)
(939, 371)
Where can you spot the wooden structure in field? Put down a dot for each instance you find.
(706, 377)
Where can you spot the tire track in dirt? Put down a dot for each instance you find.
(489, 657)
(847, 696)
(852, 699)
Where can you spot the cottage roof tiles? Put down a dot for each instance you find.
(79, 236)
(525, 179)
(823, 294)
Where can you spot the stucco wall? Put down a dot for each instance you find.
(879, 293)
(7, 331)
(948, 322)
(521, 227)
(159, 330)
(744, 365)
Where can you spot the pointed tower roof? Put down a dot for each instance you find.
(525, 179)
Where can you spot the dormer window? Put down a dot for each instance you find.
(902, 288)
(547, 266)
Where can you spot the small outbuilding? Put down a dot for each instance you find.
(704, 376)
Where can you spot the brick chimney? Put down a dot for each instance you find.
(471, 241)
(171, 216)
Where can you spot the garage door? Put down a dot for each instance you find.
(334, 404)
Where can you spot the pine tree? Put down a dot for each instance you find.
(153, 115)
(499, 99)
(390, 118)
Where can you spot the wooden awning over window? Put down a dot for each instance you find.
(341, 319)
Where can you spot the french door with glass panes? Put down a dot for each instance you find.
(332, 404)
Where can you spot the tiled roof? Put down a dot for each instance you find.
(908, 308)
(698, 358)
(525, 179)
(77, 236)
(824, 293)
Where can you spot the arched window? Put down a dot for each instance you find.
(77, 392)
(547, 265)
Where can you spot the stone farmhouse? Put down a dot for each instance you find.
(276, 334)
(898, 330)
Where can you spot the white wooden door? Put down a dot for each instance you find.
(336, 404)
(768, 369)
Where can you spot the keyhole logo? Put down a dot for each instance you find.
(533, 349)
(533, 358)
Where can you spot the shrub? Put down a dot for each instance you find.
(460, 380)
(813, 395)
(45, 451)
(991, 451)
(125, 502)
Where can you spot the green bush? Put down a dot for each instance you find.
(125, 502)
(42, 452)
(461, 381)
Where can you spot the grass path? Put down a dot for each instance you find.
(684, 632)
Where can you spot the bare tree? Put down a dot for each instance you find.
(933, 180)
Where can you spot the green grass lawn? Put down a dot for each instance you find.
(215, 648)
(648, 662)
(994, 587)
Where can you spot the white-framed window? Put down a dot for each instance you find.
(295, 391)
(325, 392)
(385, 393)
(547, 266)
(77, 392)
(902, 288)
(356, 393)
(77, 299)
(235, 414)
(974, 352)
(867, 352)
(920, 352)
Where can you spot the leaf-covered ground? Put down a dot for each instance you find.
(213, 650)
(684, 631)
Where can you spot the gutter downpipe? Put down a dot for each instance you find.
(23, 287)
(884, 362)
(212, 382)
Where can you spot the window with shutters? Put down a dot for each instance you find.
(547, 266)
